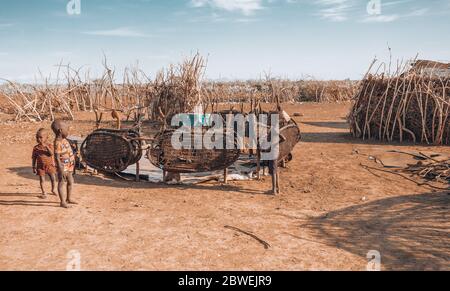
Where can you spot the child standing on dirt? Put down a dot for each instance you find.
(43, 161)
(65, 162)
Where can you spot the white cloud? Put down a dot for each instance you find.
(6, 25)
(335, 10)
(246, 7)
(118, 32)
(418, 12)
(343, 10)
(392, 3)
(394, 17)
(381, 18)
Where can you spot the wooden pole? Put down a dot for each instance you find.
(225, 176)
(138, 178)
(258, 164)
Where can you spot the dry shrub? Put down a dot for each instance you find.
(326, 91)
(178, 89)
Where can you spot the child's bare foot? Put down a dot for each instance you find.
(43, 196)
(64, 205)
(72, 202)
(54, 193)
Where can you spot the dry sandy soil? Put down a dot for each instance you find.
(331, 213)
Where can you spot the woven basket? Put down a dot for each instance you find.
(291, 136)
(164, 156)
(111, 151)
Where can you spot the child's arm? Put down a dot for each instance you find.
(34, 164)
(50, 150)
(33, 161)
(59, 165)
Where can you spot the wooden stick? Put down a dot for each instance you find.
(138, 168)
(404, 177)
(225, 176)
(264, 243)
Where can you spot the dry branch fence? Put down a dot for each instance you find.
(177, 89)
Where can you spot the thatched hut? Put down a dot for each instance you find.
(412, 106)
(430, 68)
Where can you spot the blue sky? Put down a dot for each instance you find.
(327, 39)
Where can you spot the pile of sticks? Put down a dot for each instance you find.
(178, 89)
(431, 170)
(72, 90)
(402, 106)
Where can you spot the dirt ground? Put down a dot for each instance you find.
(330, 214)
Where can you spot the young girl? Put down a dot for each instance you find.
(43, 161)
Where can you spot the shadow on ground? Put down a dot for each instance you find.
(25, 172)
(28, 203)
(411, 232)
(329, 124)
(341, 137)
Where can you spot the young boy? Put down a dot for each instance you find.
(43, 161)
(65, 162)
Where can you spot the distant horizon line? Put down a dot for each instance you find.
(127, 69)
(5, 82)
